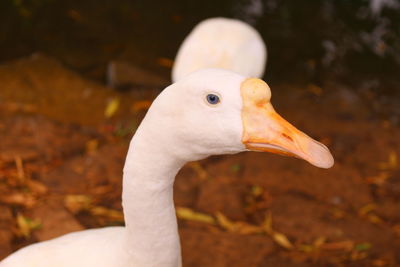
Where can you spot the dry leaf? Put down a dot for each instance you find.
(337, 213)
(224, 222)
(247, 229)
(346, 245)
(306, 248)
(366, 209)
(115, 215)
(319, 241)
(200, 171)
(358, 255)
(374, 218)
(141, 105)
(165, 62)
(18, 199)
(392, 160)
(36, 187)
(237, 227)
(391, 163)
(379, 263)
(188, 214)
(257, 191)
(314, 246)
(77, 203)
(18, 107)
(79, 169)
(101, 190)
(267, 223)
(92, 145)
(112, 107)
(379, 179)
(281, 240)
(26, 226)
(20, 169)
(314, 89)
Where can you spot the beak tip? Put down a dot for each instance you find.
(321, 156)
(325, 163)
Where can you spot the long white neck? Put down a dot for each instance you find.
(147, 199)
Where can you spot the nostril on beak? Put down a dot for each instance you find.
(287, 137)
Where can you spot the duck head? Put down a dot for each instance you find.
(215, 111)
(222, 43)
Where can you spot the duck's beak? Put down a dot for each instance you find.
(266, 130)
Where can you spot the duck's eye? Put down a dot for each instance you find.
(213, 99)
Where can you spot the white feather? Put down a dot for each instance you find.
(221, 43)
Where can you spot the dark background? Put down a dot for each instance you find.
(306, 41)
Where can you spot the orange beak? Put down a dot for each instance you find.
(265, 130)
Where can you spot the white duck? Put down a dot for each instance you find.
(221, 43)
(209, 112)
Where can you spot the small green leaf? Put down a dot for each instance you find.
(362, 246)
(235, 167)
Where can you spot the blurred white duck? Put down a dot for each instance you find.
(221, 43)
(209, 112)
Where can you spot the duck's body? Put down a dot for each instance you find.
(221, 43)
(65, 250)
(209, 112)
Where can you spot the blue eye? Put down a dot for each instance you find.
(213, 99)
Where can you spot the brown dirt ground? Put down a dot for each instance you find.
(61, 163)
